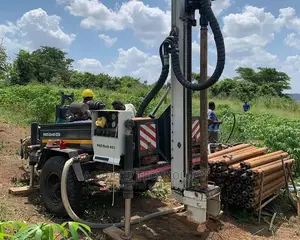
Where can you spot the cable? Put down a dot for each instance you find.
(113, 198)
(171, 41)
(75, 218)
(207, 11)
(164, 57)
(233, 126)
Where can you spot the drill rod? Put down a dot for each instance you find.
(203, 105)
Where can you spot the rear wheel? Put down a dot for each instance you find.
(50, 187)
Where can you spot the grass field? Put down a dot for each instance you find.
(271, 122)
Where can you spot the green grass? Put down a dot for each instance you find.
(271, 122)
(275, 107)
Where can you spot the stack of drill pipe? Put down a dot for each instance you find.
(243, 185)
(221, 163)
(218, 172)
(239, 172)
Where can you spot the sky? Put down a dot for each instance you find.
(123, 37)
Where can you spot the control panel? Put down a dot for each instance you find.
(108, 135)
(106, 124)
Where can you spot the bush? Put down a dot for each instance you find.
(41, 231)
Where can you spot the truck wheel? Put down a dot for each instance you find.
(50, 187)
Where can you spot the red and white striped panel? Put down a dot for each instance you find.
(196, 130)
(147, 137)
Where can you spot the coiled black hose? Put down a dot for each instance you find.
(172, 42)
(207, 11)
(164, 57)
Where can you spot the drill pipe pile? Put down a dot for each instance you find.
(229, 150)
(272, 176)
(248, 175)
(219, 159)
(219, 162)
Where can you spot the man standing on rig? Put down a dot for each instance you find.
(213, 123)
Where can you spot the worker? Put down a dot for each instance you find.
(246, 107)
(88, 95)
(88, 98)
(213, 123)
(118, 105)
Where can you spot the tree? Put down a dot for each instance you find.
(224, 88)
(280, 81)
(247, 74)
(270, 77)
(3, 64)
(22, 71)
(245, 91)
(50, 63)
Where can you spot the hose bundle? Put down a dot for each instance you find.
(170, 46)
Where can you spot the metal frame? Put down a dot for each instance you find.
(179, 114)
(138, 152)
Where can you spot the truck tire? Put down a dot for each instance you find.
(50, 187)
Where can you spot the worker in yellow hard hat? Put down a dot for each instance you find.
(87, 95)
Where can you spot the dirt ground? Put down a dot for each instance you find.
(175, 226)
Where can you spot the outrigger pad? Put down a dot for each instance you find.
(23, 191)
(114, 233)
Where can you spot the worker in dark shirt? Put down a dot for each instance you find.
(213, 123)
(246, 107)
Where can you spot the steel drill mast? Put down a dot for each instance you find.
(196, 198)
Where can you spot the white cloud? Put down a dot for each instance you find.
(34, 29)
(89, 65)
(168, 2)
(252, 28)
(108, 41)
(245, 44)
(220, 5)
(149, 24)
(258, 57)
(291, 66)
(289, 18)
(292, 41)
(132, 62)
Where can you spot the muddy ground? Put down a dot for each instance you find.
(175, 226)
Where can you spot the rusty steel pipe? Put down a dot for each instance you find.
(274, 167)
(247, 154)
(266, 187)
(270, 192)
(203, 107)
(228, 150)
(267, 160)
(219, 158)
(267, 168)
(270, 177)
(269, 164)
(249, 162)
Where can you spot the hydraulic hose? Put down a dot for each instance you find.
(75, 218)
(233, 126)
(161, 81)
(208, 12)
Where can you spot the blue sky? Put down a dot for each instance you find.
(122, 37)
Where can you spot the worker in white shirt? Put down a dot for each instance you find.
(118, 105)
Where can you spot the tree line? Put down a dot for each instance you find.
(52, 66)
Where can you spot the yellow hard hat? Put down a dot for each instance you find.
(88, 93)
